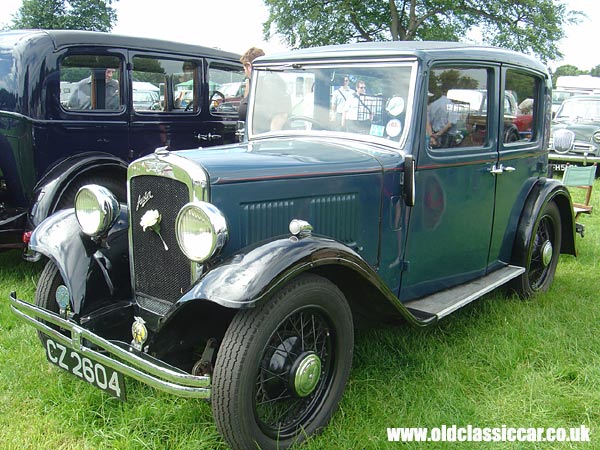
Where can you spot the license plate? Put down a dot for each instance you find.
(559, 167)
(105, 378)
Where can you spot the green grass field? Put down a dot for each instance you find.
(499, 361)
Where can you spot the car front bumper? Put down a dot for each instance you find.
(117, 355)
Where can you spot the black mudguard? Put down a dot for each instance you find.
(253, 275)
(94, 273)
(544, 191)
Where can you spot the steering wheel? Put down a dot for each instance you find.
(216, 98)
(316, 125)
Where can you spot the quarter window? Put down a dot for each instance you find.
(91, 82)
(457, 111)
(164, 85)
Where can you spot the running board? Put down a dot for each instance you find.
(445, 302)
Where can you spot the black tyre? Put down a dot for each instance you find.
(45, 294)
(540, 253)
(114, 184)
(282, 367)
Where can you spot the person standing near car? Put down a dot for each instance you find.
(442, 117)
(251, 54)
(81, 98)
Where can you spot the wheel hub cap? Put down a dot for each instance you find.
(306, 374)
(547, 253)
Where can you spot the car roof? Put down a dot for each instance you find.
(425, 50)
(65, 38)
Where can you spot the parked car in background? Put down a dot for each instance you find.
(76, 107)
(238, 273)
(575, 134)
(560, 95)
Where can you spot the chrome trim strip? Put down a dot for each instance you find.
(161, 377)
(574, 158)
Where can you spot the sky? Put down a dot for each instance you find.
(236, 25)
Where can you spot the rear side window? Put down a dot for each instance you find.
(521, 96)
(91, 82)
(457, 111)
(164, 85)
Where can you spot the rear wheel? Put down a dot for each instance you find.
(539, 255)
(282, 367)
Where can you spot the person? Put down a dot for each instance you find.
(357, 116)
(82, 94)
(442, 119)
(251, 54)
(338, 100)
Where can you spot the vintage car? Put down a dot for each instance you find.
(575, 133)
(238, 273)
(77, 107)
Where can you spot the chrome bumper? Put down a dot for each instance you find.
(130, 362)
(570, 157)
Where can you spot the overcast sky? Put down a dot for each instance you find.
(236, 25)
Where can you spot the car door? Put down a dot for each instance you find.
(175, 118)
(92, 112)
(449, 228)
(522, 156)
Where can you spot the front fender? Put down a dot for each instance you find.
(93, 273)
(253, 275)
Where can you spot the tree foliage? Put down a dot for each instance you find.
(529, 26)
(94, 15)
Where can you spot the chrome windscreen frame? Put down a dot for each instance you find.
(341, 63)
(165, 164)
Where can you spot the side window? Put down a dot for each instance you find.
(91, 82)
(165, 85)
(227, 88)
(457, 111)
(521, 95)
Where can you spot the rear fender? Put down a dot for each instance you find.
(56, 181)
(543, 192)
(93, 272)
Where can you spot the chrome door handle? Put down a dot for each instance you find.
(208, 137)
(498, 170)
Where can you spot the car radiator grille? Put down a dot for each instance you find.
(161, 276)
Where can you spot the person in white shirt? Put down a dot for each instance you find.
(338, 100)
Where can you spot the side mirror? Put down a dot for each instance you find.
(409, 180)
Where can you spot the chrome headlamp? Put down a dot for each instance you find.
(96, 209)
(201, 230)
(596, 137)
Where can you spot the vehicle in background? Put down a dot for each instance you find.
(76, 107)
(237, 273)
(560, 95)
(575, 132)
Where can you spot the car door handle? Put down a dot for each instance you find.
(497, 170)
(208, 137)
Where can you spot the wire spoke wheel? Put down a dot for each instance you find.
(282, 367)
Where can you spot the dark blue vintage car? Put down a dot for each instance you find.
(76, 107)
(238, 273)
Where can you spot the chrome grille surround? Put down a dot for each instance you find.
(186, 181)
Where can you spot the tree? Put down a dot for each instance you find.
(529, 26)
(95, 15)
(595, 72)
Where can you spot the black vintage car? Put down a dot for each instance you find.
(71, 114)
(238, 273)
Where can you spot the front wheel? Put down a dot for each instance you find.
(282, 367)
(50, 286)
(539, 255)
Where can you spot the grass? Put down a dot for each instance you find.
(499, 361)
